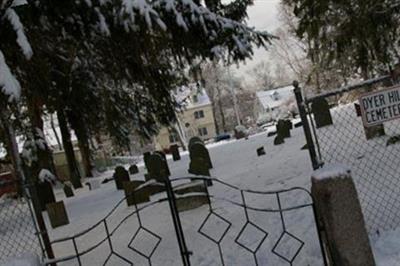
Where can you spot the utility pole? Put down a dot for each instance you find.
(235, 107)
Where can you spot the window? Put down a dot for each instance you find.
(199, 114)
(173, 138)
(203, 131)
(195, 98)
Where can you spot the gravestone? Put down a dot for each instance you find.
(57, 214)
(199, 150)
(198, 166)
(174, 149)
(45, 194)
(271, 133)
(157, 168)
(133, 169)
(321, 112)
(194, 140)
(278, 140)
(298, 124)
(135, 197)
(164, 157)
(358, 109)
(260, 151)
(68, 190)
(146, 156)
(283, 128)
(120, 176)
(191, 202)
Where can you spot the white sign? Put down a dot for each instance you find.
(380, 106)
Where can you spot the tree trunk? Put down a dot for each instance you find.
(69, 150)
(215, 117)
(221, 111)
(60, 147)
(82, 135)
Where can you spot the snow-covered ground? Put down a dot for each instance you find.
(235, 162)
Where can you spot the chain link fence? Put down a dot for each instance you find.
(18, 232)
(372, 153)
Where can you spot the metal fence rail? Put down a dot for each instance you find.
(18, 232)
(374, 162)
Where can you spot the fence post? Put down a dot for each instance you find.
(40, 221)
(338, 208)
(306, 126)
(185, 253)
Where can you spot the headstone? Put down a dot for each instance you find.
(68, 190)
(120, 176)
(305, 147)
(146, 156)
(374, 131)
(192, 187)
(194, 140)
(191, 202)
(321, 112)
(157, 168)
(57, 214)
(283, 128)
(358, 109)
(45, 193)
(198, 166)
(135, 197)
(199, 150)
(133, 169)
(298, 124)
(278, 140)
(174, 149)
(271, 133)
(164, 156)
(260, 151)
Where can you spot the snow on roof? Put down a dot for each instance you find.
(192, 96)
(274, 98)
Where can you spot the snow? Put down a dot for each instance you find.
(272, 99)
(8, 83)
(46, 175)
(235, 162)
(24, 260)
(22, 40)
(386, 248)
(331, 171)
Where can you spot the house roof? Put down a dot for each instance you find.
(185, 96)
(276, 97)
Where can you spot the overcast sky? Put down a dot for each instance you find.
(264, 16)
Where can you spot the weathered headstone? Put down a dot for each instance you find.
(57, 214)
(198, 166)
(146, 156)
(45, 193)
(283, 128)
(68, 190)
(199, 150)
(157, 168)
(194, 140)
(191, 202)
(278, 140)
(174, 149)
(321, 112)
(260, 151)
(374, 131)
(135, 197)
(133, 169)
(120, 176)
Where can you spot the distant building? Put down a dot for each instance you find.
(272, 104)
(195, 119)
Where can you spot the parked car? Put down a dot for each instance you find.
(223, 136)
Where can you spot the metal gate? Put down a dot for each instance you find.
(243, 227)
(372, 153)
(19, 234)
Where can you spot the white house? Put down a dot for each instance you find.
(276, 103)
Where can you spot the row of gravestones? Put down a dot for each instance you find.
(158, 170)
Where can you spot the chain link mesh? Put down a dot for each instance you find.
(374, 162)
(18, 234)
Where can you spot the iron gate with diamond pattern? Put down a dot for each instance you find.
(247, 228)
